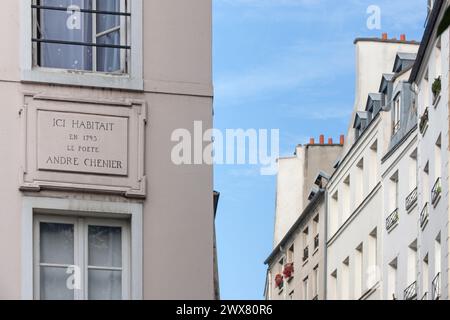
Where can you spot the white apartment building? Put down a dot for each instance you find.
(355, 192)
(430, 80)
(399, 183)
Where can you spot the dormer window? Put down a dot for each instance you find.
(360, 123)
(403, 61)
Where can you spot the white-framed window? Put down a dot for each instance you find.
(83, 42)
(86, 35)
(397, 114)
(81, 258)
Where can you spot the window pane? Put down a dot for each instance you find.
(107, 21)
(105, 285)
(66, 26)
(57, 243)
(53, 285)
(105, 246)
(108, 59)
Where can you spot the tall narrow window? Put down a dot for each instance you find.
(392, 281)
(306, 289)
(345, 280)
(359, 271)
(413, 170)
(333, 286)
(437, 255)
(88, 35)
(372, 259)
(334, 219)
(437, 158)
(438, 59)
(394, 192)
(359, 183)
(412, 263)
(372, 172)
(316, 282)
(426, 184)
(425, 278)
(397, 114)
(94, 253)
(437, 283)
(346, 199)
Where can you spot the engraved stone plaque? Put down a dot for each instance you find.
(82, 143)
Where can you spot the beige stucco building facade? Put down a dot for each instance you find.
(296, 266)
(89, 189)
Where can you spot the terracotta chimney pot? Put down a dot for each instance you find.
(322, 139)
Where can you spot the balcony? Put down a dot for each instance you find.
(424, 215)
(316, 242)
(423, 125)
(411, 200)
(392, 221)
(436, 287)
(436, 192)
(305, 254)
(410, 293)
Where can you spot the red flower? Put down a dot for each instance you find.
(288, 270)
(278, 280)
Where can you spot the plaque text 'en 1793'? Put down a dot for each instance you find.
(84, 143)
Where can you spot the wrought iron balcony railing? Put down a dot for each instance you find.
(316, 242)
(423, 125)
(305, 254)
(425, 296)
(392, 220)
(410, 293)
(436, 192)
(411, 199)
(436, 287)
(424, 215)
(316, 297)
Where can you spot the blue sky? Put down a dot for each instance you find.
(288, 65)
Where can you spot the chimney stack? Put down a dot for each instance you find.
(322, 139)
(403, 37)
(384, 36)
(342, 140)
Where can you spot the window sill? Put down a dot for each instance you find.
(82, 79)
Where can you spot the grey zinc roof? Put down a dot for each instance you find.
(360, 115)
(387, 77)
(403, 60)
(372, 97)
